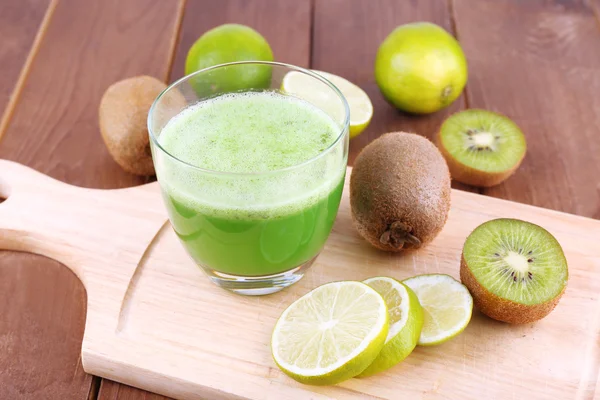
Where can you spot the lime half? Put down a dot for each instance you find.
(447, 307)
(330, 334)
(406, 321)
(317, 93)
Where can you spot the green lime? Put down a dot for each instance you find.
(420, 68)
(224, 44)
(330, 334)
(406, 321)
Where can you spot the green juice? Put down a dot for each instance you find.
(271, 200)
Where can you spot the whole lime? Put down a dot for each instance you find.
(224, 44)
(420, 68)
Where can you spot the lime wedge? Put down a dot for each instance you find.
(313, 91)
(406, 321)
(447, 307)
(330, 334)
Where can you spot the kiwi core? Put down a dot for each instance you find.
(517, 262)
(483, 140)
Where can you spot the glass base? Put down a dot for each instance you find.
(258, 285)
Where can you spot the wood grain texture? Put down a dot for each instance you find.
(55, 125)
(42, 315)
(42, 306)
(155, 321)
(538, 62)
(86, 47)
(20, 21)
(347, 34)
(285, 24)
(111, 390)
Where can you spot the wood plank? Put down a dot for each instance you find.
(110, 390)
(55, 125)
(347, 34)
(285, 25)
(86, 47)
(34, 308)
(42, 316)
(537, 62)
(20, 21)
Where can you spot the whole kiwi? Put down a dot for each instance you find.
(400, 192)
(122, 115)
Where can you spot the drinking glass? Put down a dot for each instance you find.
(254, 232)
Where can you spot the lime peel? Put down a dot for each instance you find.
(404, 333)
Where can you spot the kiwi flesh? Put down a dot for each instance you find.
(516, 271)
(400, 192)
(482, 148)
(123, 116)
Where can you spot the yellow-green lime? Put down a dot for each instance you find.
(306, 87)
(330, 334)
(447, 307)
(420, 68)
(406, 321)
(224, 44)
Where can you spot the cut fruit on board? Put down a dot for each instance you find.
(155, 321)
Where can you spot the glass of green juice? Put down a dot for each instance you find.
(251, 175)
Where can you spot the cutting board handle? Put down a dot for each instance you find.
(15, 179)
(26, 223)
(82, 228)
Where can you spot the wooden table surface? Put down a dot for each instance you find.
(538, 61)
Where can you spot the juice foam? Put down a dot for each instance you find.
(256, 134)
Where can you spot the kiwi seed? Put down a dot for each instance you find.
(516, 271)
(122, 115)
(482, 148)
(400, 192)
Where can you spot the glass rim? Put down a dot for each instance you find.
(343, 130)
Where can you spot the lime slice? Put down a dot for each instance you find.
(315, 92)
(330, 334)
(447, 307)
(406, 321)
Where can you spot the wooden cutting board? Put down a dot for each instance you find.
(156, 322)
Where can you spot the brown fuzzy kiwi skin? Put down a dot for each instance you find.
(471, 176)
(401, 180)
(502, 309)
(123, 116)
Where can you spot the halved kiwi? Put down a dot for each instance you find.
(516, 271)
(482, 148)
